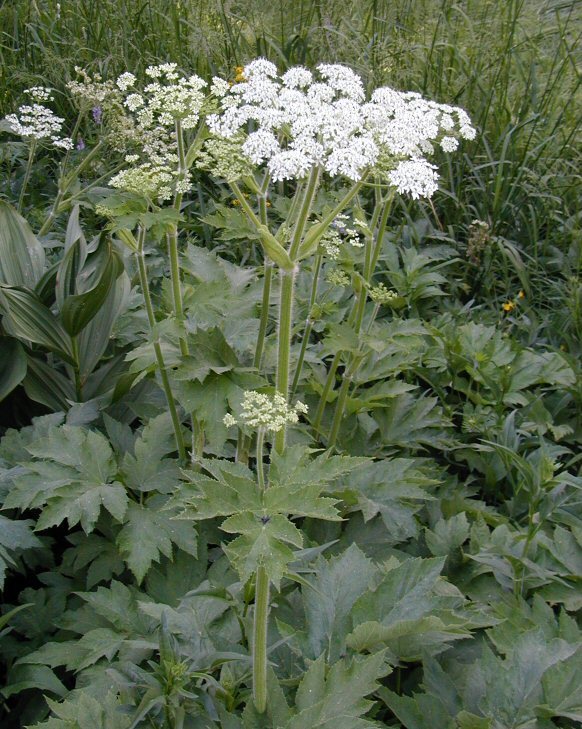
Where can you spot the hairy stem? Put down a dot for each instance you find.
(260, 626)
(287, 279)
(308, 323)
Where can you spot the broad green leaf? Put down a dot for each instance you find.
(263, 542)
(47, 385)
(15, 537)
(86, 712)
(72, 478)
(40, 678)
(22, 258)
(95, 338)
(297, 467)
(148, 533)
(562, 689)
(395, 488)
(412, 610)
(510, 690)
(336, 700)
(210, 352)
(147, 469)
(420, 711)
(26, 317)
(447, 535)
(118, 605)
(78, 309)
(536, 368)
(12, 365)
(336, 585)
(410, 422)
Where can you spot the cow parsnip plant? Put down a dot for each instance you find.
(256, 536)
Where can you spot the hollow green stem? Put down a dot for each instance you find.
(242, 450)
(31, 153)
(172, 240)
(287, 279)
(308, 323)
(267, 280)
(316, 232)
(259, 458)
(260, 627)
(157, 349)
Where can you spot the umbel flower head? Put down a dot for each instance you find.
(36, 121)
(266, 412)
(293, 122)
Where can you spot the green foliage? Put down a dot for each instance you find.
(420, 527)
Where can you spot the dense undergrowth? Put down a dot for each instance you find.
(409, 553)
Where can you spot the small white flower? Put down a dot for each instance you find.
(126, 81)
(297, 78)
(265, 412)
(416, 178)
(449, 144)
(219, 87)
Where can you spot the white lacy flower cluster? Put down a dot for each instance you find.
(155, 110)
(38, 122)
(152, 181)
(169, 97)
(296, 121)
(266, 412)
(92, 91)
(340, 232)
(382, 295)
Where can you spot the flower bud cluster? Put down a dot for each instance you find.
(92, 92)
(337, 277)
(339, 233)
(381, 295)
(266, 412)
(224, 159)
(37, 122)
(152, 181)
(154, 111)
(299, 120)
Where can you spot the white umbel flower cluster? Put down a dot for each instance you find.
(155, 109)
(294, 122)
(37, 122)
(266, 412)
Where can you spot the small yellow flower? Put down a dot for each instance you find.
(235, 202)
(239, 74)
(521, 294)
(508, 306)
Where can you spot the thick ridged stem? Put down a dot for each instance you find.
(260, 629)
(172, 240)
(287, 279)
(243, 443)
(308, 323)
(143, 278)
